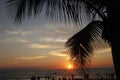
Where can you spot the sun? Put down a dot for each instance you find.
(70, 66)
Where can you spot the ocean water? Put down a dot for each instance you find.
(26, 74)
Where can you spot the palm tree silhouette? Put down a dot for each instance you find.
(107, 26)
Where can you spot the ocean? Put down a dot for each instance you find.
(26, 74)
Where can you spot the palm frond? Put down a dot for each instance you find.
(67, 10)
(96, 7)
(23, 8)
(80, 46)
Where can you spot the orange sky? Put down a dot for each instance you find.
(101, 58)
(40, 43)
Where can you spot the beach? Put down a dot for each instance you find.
(95, 74)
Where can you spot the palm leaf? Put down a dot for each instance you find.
(67, 10)
(80, 46)
(22, 8)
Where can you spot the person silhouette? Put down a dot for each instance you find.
(86, 76)
(33, 78)
(38, 78)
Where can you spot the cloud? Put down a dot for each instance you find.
(5, 40)
(61, 53)
(104, 50)
(42, 46)
(23, 40)
(49, 39)
(39, 46)
(31, 58)
(14, 39)
(11, 32)
(18, 32)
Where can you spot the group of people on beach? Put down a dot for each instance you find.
(107, 76)
(110, 75)
(38, 78)
(85, 77)
(47, 78)
(35, 78)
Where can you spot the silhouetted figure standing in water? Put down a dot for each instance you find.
(64, 78)
(33, 78)
(46, 78)
(72, 76)
(86, 77)
(53, 78)
(111, 75)
(101, 78)
(38, 78)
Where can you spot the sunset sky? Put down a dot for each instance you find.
(39, 43)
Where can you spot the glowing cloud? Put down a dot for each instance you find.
(40, 46)
(31, 58)
(12, 32)
(60, 53)
(104, 50)
(18, 32)
(48, 39)
(15, 39)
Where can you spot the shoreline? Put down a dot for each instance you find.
(65, 77)
(96, 74)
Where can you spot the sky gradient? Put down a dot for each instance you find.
(40, 43)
